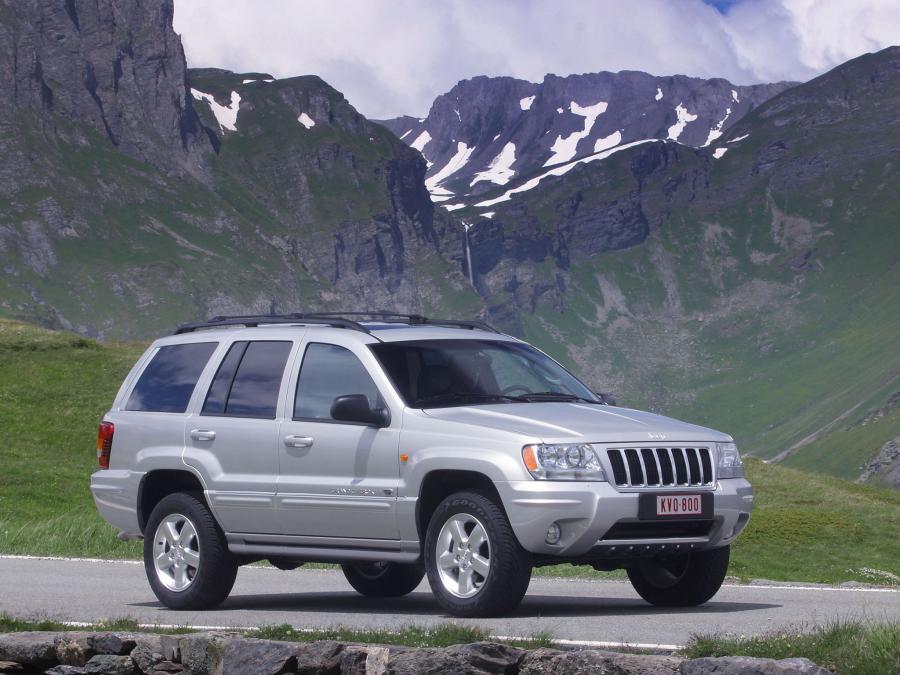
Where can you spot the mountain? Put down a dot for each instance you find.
(487, 131)
(749, 284)
(136, 195)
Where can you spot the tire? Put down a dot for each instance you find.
(681, 581)
(383, 579)
(196, 571)
(491, 581)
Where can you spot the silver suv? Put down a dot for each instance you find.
(398, 447)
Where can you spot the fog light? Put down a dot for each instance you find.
(554, 534)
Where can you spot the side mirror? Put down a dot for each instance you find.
(608, 399)
(356, 408)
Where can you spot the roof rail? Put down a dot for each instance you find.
(253, 320)
(333, 319)
(411, 319)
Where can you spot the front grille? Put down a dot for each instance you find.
(661, 467)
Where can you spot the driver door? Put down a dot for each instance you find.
(336, 478)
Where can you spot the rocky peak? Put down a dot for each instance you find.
(117, 67)
(487, 131)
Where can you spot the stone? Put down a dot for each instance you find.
(37, 649)
(145, 658)
(74, 649)
(65, 670)
(111, 643)
(541, 661)
(473, 659)
(323, 656)
(241, 656)
(110, 664)
(168, 667)
(745, 665)
(11, 667)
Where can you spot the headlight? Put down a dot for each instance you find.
(729, 464)
(563, 462)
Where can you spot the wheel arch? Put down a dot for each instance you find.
(439, 484)
(160, 483)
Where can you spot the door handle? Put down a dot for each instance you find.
(298, 441)
(203, 435)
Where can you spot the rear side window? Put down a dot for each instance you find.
(248, 380)
(329, 371)
(169, 379)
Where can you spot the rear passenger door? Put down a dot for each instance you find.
(338, 479)
(232, 442)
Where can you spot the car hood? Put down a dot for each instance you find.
(557, 422)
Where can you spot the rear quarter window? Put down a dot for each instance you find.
(169, 379)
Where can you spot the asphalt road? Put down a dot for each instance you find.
(582, 610)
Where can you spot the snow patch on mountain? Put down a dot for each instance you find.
(716, 131)
(421, 141)
(610, 141)
(405, 134)
(226, 116)
(559, 171)
(734, 96)
(683, 118)
(659, 94)
(500, 170)
(488, 214)
(458, 161)
(306, 120)
(525, 103)
(564, 149)
(718, 152)
(739, 138)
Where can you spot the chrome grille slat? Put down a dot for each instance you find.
(688, 466)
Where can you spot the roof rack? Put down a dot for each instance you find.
(253, 320)
(333, 319)
(411, 319)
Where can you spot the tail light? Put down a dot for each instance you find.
(104, 443)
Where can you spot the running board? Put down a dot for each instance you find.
(323, 549)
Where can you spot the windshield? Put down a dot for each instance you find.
(441, 373)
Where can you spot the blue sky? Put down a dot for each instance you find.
(392, 57)
(721, 5)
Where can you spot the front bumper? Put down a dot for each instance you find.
(586, 512)
(116, 495)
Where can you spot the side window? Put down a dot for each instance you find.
(169, 379)
(329, 371)
(248, 380)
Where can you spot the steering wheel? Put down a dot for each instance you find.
(507, 391)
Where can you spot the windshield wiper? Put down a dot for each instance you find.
(548, 396)
(462, 396)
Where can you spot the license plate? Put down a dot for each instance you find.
(679, 505)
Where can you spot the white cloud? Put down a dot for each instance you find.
(392, 58)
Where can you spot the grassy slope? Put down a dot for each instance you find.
(55, 386)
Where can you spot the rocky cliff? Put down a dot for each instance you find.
(487, 131)
(135, 194)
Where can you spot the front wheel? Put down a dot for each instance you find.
(474, 562)
(187, 561)
(383, 579)
(685, 580)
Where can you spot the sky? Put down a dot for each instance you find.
(393, 57)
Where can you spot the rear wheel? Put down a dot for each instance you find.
(680, 581)
(383, 579)
(474, 562)
(186, 559)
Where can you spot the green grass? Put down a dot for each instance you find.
(55, 386)
(849, 648)
(442, 635)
